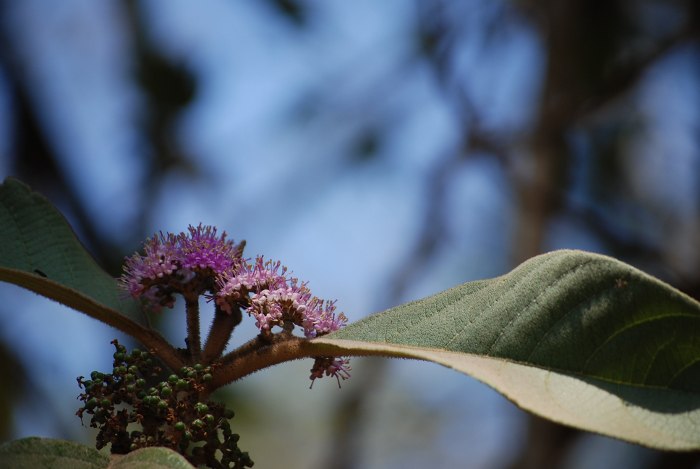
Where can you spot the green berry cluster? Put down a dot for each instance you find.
(167, 408)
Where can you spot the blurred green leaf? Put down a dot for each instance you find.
(151, 458)
(42, 453)
(578, 338)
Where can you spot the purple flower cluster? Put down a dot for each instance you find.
(273, 299)
(170, 262)
(267, 294)
(203, 249)
(174, 263)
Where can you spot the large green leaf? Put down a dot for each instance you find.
(578, 338)
(39, 251)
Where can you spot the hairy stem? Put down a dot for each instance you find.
(256, 355)
(263, 352)
(220, 333)
(194, 344)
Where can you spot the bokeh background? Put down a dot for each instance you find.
(383, 150)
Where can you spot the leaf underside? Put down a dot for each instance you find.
(575, 337)
(39, 251)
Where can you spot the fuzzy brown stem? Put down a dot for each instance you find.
(220, 333)
(258, 354)
(194, 344)
(262, 352)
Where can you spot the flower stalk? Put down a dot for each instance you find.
(194, 341)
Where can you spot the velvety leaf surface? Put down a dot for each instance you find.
(42, 453)
(39, 251)
(579, 338)
(151, 458)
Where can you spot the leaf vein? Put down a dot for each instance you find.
(572, 271)
(632, 325)
(498, 299)
(577, 307)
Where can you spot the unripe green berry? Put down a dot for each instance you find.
(129, 377)
(162, 404)
(166, 391)
(197, 423)
(180, 426)
(136, 353)
(130, 388)
(182, 384)
(106, 402)
(140, 383)
(187, 436)
(207, 377)
(96, 375)
(201, 408)
(118, 356)
(172, 379)
(198, 367)
(91, 404)
(133, 369)
(209, 418)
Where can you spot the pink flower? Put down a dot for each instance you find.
(171, 261)
(274, 299)
(337, 367)
(160, 260)
(203, 249)
(320, 318)
(236, 284)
